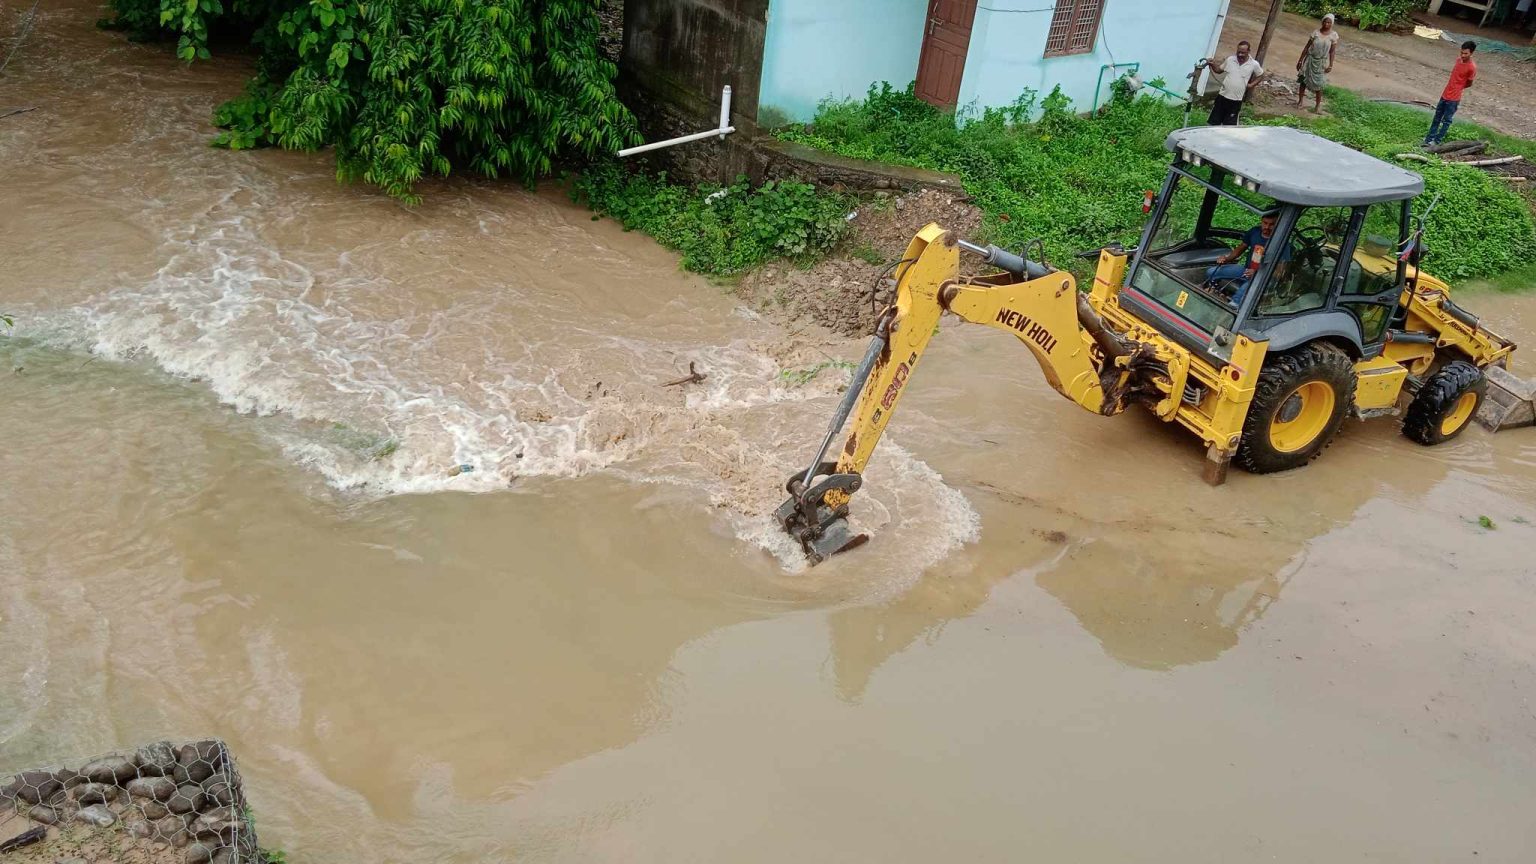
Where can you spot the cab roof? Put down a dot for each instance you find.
(1297, 167)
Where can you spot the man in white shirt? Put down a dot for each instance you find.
(1242, 74)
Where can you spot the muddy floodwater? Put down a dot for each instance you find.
(394, 501)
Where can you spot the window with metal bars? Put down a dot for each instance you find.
(1074, 27)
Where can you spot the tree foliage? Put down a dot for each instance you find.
(405, 89)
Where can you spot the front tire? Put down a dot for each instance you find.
(1446, 404)
(1301, 399)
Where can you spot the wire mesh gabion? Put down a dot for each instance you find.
(162, 803)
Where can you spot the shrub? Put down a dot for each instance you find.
(1478, 228)
(410, 88)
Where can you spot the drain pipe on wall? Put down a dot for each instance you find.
(725, 128)
(1210, 51)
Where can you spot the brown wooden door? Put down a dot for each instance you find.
(945, 43)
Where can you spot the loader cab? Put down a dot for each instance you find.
(1326, 265)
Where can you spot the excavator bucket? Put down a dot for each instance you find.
(820, 526)
(1510, 402)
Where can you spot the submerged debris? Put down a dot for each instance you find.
(26, 838)
(694, 376)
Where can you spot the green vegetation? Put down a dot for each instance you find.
(1510, 282)
(801, 377)
(1481, 227)
(405, 89)
(1076, 182)
(1385, 129)
(367, 445)
(1072, 182)
(1367, 14)
(720, 231)
(867, 253)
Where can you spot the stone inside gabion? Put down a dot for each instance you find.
(176, 803)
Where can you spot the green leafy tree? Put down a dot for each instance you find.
(404, 89)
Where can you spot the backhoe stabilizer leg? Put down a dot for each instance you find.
(1216, 462)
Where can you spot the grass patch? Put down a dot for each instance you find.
(866, 252)
(1482, 228)
(801, 377)
(1076, 183)
(366, 444)
(1514, 281)
(721, 231)
(1388, 128)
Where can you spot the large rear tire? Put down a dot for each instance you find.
(1301, 399)
(1446, 404)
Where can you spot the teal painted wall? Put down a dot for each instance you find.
(819, 48)
(1007, 54)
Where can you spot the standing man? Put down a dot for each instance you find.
(1243, 73)
(1463, 75)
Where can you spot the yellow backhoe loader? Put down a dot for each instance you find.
(1275, 292)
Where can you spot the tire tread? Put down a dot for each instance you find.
(1282, 375)
(1437, 397)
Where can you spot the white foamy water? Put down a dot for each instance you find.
(412, 364)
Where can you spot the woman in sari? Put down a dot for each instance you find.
(1316, 62)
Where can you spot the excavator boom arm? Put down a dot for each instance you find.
(1079, 356)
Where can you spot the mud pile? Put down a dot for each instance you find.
(846, 292)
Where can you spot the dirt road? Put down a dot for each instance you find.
(1408, 68)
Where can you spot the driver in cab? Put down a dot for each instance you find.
(1254, 245)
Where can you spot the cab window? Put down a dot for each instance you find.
(1305, 267)
(1370, 290)
(1196, 227)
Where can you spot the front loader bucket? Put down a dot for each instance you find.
(1510, 402)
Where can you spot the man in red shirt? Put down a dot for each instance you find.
(1463, 75)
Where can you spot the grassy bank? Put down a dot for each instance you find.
(1482, 228)
(1076, 182)
(721, 231)
(1511, 281)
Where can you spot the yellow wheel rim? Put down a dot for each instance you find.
(1309, 408)
(1459, 415)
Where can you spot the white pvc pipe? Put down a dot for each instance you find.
(698, 136)
(725, 110)
(723, 130)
